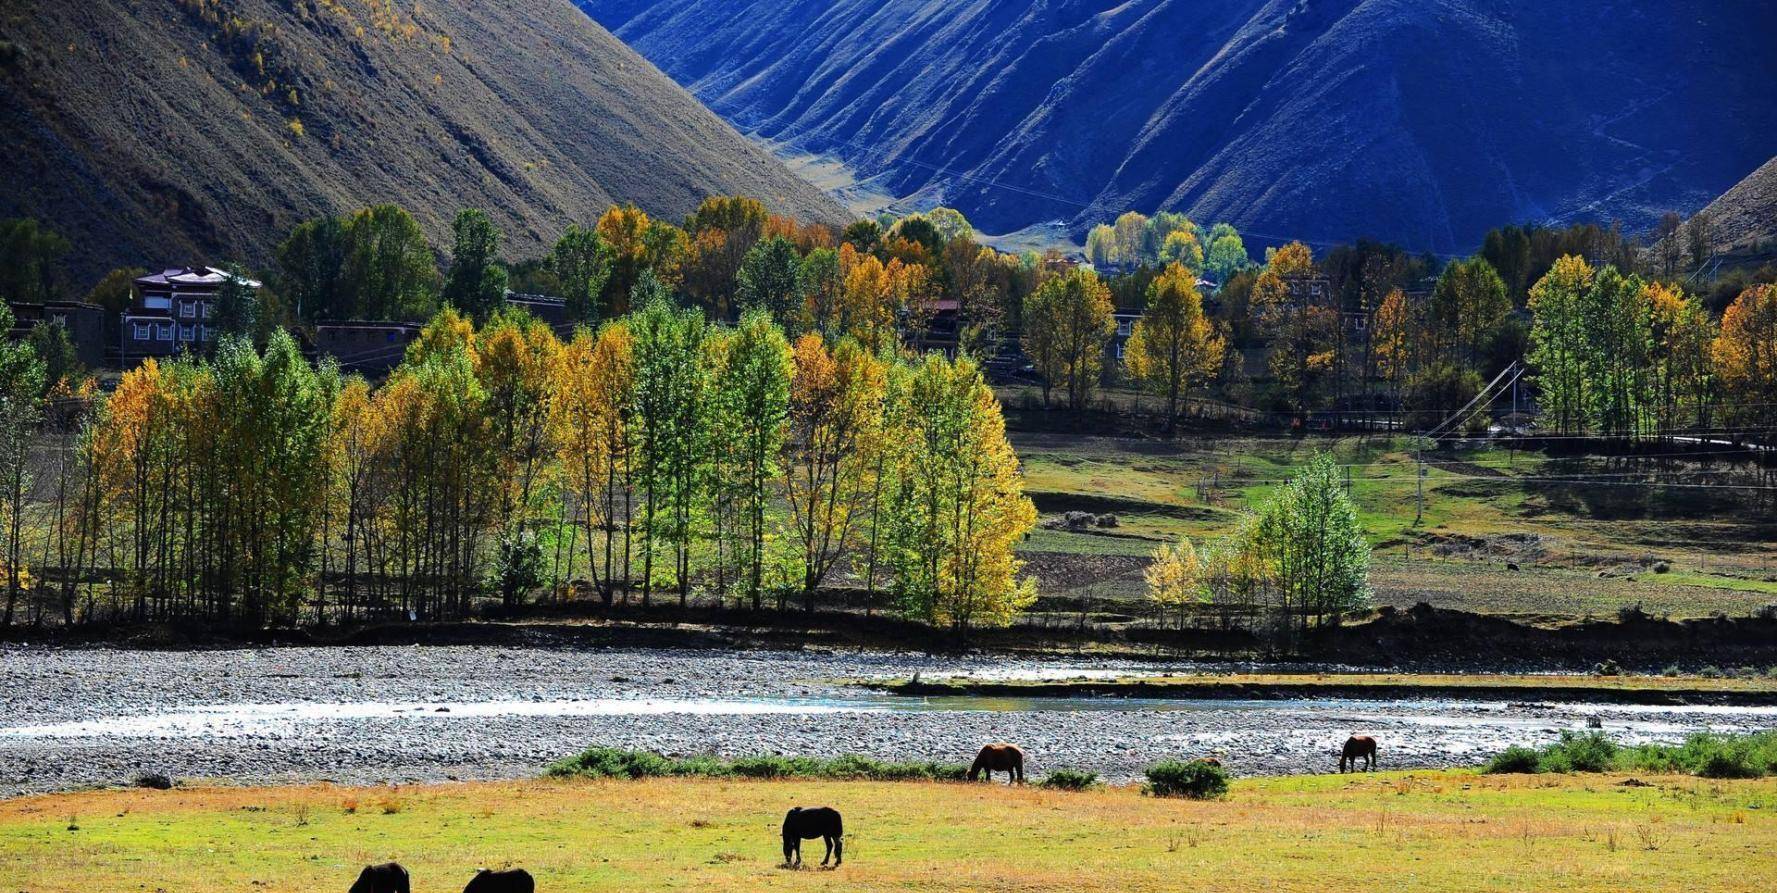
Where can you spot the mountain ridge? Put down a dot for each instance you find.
(185, 131)
(1423, 122)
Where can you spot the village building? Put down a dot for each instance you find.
(171, 312)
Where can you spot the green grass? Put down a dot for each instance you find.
(1422, 831)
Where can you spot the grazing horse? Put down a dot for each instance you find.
(510, 880)
(1005, 758)
(807, 824)
(388, 877)
(1358, 747)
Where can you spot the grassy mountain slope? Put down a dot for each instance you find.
(1745, 217)
(172, 131)
(1424, 122)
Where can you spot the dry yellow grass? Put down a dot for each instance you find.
(1390, 831)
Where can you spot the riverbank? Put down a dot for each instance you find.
(1421, 638)
(71, 718)
(1428, 831)
(1755, 689)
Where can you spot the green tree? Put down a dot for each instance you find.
(389, 271)
(751, 400)
(1226, 254)
(117, 290)
(477, 281)
(1066, 324)
(21, 407)
(61, 362)
(583, 264)
(769, 279)
(1468, 306)
(667, 429)
(30, 261)
(237, 309)
(1314, 553)
(1558, 347)
(309, 265)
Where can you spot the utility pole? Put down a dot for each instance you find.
(1419, 511)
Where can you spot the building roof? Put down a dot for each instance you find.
(191, 276)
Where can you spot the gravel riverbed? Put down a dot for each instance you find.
(79, 717)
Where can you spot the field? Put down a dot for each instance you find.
(1388, 831)
(1586, 537)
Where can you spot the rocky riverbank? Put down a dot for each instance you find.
(77, 717)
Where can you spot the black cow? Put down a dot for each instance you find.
(510, 880)
(388, 877)
(807, 824)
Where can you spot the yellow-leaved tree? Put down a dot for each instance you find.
(1746, 355)
(1173, 346)
(1176, 578)
(957, 508)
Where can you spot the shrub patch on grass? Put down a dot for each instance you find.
(1706, 755)
(1196, 780)
(612, 762)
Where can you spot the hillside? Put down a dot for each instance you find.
(1745, 217)
(1422, 122)
(179, 131)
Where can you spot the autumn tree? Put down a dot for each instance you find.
(594, 393)
(1173, 346)
(1066, 324)
(958, 509)
(833, 452)
(638, 246)
(1176, 578)
(1393, 329)
(1746, 356)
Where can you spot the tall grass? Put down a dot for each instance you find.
(1707, 755)
(612, 762)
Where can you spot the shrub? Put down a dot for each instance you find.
(1196, 779)
(1514, 759)
(1591, 752)
(612, 762)
(1671, 670)
(1710, 672)
(1662, 567)
(1607, 668)
(1069, 780)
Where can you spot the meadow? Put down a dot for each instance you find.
(1422, 831)
(1583, 543)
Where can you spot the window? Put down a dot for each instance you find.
(203, 309)
(163, 331)
(205, 333)
(187, 309)
(187, 333)
(157, 302)
(1123, 326)
(141, 332)
(1120, 347)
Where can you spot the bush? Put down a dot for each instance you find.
(1069, 780)
(1196, 779)
(611, 762)
(1607, 668)
(1591, 752)
(1514, 759)
(1710, 672)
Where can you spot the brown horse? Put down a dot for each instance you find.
(1210, 761)
(1358, 747)
(1005, 758)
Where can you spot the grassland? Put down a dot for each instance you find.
(1389, 831)
(1583, 540)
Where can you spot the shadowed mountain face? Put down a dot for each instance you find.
(1423, 121)
(168, 132)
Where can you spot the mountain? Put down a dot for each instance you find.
(1745, 217)
(1422, 121)
(169, 132)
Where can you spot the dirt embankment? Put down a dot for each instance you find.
(1422, 637)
